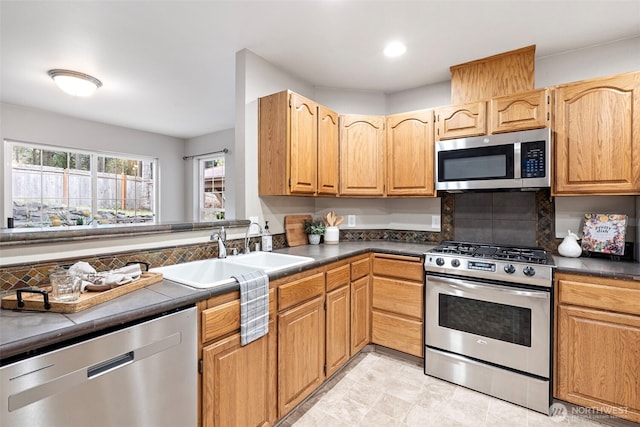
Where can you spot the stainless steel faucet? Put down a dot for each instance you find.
(221, 237)
(246, 237)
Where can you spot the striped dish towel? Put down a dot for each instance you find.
(254, 305)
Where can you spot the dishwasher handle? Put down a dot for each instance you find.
(108, 365)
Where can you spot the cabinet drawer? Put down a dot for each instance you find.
(225, 318)
(300, 290)
(397, 296)
(338, 277)
(403, 267)
(398, 333)
(359, 269)
(622, 296)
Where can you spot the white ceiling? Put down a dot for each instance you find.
(169, 66)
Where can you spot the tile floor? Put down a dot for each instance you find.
(381, 389)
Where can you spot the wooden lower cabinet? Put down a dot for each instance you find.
(597, 349)
(397, 307)
(360, 314)
(338, 329)
(239, 382)
(301, 337)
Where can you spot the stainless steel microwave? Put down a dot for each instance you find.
(502, 161)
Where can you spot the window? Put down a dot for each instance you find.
(211, 187)
(55, 186)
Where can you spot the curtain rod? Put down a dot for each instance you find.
(224, 150)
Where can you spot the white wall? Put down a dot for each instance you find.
(216, 141)
(348, 101)
(255, 78)
(39, 126)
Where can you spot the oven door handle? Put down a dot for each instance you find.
(462, 285)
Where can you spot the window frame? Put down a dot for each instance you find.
(9, 145)
(198, 167)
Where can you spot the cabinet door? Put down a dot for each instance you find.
(300, 353)
(459, 121)
(304, 145)
(598, 136)
(362, 155)
(338, 342)
(328, 151)
(410, 154)
(360, 314)
(522, 111)
(397, 332)
(598, 360)
(239, 383)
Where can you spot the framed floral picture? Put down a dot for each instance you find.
(604, 233)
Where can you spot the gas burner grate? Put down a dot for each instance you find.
(527, 255)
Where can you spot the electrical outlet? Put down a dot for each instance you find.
(435, 221)
(351, 220)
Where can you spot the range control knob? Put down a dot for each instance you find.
(509, 269)
(529, 271)
(440, 261)
(455, 262)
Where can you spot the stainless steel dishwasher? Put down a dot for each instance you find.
(141, 375)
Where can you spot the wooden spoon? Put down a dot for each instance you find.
(339, 221)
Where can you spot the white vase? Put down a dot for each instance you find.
(569, 247)
(331, 235)
(314, 239)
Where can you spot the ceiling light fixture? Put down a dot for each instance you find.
(74, 83)
(395, 49)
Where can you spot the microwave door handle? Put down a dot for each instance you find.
(517, 156)
(462, 285)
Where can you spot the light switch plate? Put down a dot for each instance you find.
(435, 221)
(351, 220)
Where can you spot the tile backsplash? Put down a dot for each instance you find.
(513, 218)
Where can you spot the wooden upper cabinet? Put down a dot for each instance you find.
(522, 111)
(498, 75)
(598, 136)
(460, 121)
(287, 145)
(328, 151)
(410, 153)
(362, 160)
(304, 144)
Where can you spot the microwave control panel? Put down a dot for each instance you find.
(533, 164)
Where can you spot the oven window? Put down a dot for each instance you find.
(488, 319)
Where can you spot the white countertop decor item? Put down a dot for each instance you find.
(569, 247)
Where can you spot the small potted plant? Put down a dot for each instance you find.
(314, 229)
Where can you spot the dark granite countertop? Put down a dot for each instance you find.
(601, 267)
(25, 331)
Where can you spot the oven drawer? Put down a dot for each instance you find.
(397, 333)
(398, 296)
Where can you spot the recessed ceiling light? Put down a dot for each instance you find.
(394, 49)
(74, 83)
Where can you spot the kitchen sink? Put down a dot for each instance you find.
(206, 273)
(209, 273)
(268, 261)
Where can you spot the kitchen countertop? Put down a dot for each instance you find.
(23, 332)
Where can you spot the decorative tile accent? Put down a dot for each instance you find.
(20, 276)
(37, 275)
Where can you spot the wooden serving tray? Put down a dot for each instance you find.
(86, 300)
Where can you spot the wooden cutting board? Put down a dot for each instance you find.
(86, 300)
(294, 229)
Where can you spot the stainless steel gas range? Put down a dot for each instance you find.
(488, 320)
